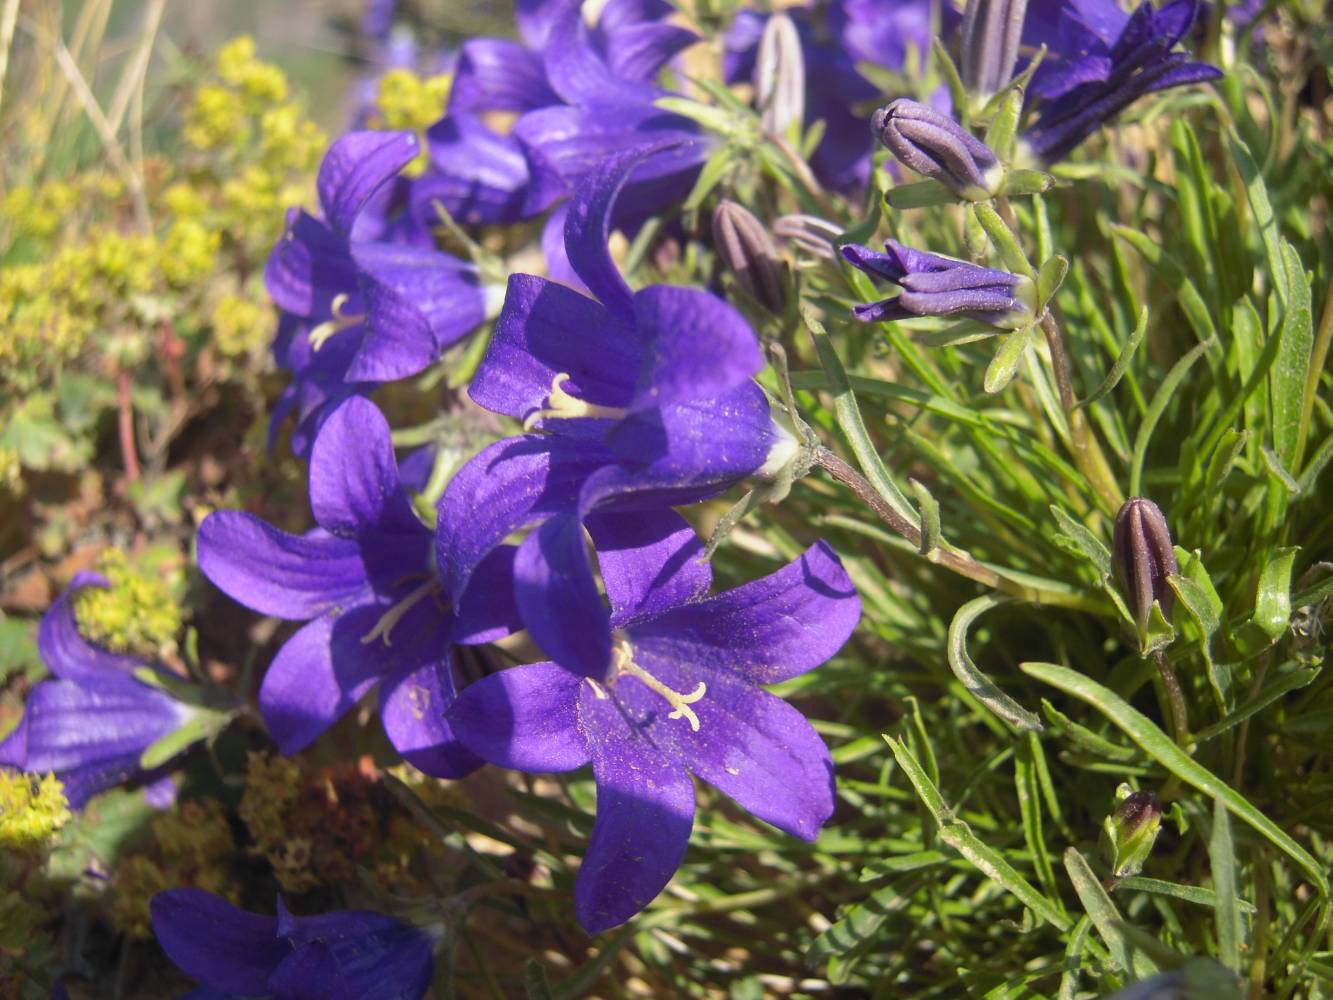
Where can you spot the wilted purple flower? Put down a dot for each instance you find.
(91, 725)
(391, 309)
(664, 684)
(644, 399)
(1102, 62)
(1142, 557)
(934, 285)
(936, 146)
(343, 955)
(365, 582)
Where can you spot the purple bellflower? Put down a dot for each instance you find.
(343, 955)
(390, 308)
(1103, 61)
(934, 285)
(365, 583)
(642, 400)
(91, 724)
(664, 684)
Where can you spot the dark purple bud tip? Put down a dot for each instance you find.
(936, 146)
(1143, 557)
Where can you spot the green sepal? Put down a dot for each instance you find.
(1157, 634)
(920, 194)
(1018, 183)
(1000, 372)
(203, 724)
(1050, 278)
(954, 81)
(1003, 128)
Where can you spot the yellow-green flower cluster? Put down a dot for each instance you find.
(241, 324)
(407, 100)
(32, 811)
(136, 614)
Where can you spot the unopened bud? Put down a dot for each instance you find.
(751, 255)
(1129, 833)
(779, 75)
(936, 146)
(1143, 557)
(991, 32)
(809, 232)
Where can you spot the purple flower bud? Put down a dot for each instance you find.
(1129, 833)
(991, 32)
(936, 146)
(1143, 557)
(750, 253)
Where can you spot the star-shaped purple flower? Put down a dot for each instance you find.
(343, 955)
(665, 684)
(934, 285)
(364, 310)
(1102, 62)
(91, 724)
(645, 399)
(365, 582)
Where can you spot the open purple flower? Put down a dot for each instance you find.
(644, 399)
(934, 285)
(343, 955)
(365, 582)
(391, 308)
(664, 684)
(91, 724)
(1102, 62)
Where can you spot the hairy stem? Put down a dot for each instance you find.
(1175, 697)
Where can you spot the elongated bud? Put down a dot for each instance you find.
(809, 232)
(936, 146)
(779, 75)
(751, 255)
(1143, 557)
(1129, 833)
(991, 32)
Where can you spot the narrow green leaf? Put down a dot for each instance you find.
(1197, 895)
(1051, 277)
(958, 835)
(582, 980)
(858, 927)
(919, 194)
(897, 864)
(1086, 542)
(534, 981)
(1315, 467)
(1073, 960)
(1272, 600)
(1261, 212)
(1155, 410)
(1084, 737)
(1105, 917)
(1026, 788)
(1156, 744)
(1000, 372)
(1003, 126)
(1222, 860)
(709, 177)
(199, 726)
(1274, 465)
(957, 92)
(1018, 183)
(930, 516)
(978, 684)
(1286, 682)
(1003, 239)
(1287, 382)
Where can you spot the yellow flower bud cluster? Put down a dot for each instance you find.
(407, 100)
(136, 614)
(32, 811)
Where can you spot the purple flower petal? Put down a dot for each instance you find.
(764, 631)
(310, 972)
(325, 669)
(579, 73)
(220, 945)
(534, 19)
(750, 744)
(309, 267)
(355, 167)
(496, 74)
(413, 703)
(638, 52)
(698, 346)
(353, 953)
(65, 651)
(645, 809)
(523, 718)
(274, 573)
(558, 598)
(650, 562)
(487, 611)
(545, 330)
(354, 484)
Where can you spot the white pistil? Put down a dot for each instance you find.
(560, 405)
(624, 664)
(395, 614)
(340, 321)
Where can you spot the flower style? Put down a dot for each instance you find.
(1104, 61)
(934, 285)
(665, 684)
(343, 955)
(642, 399)
(365, 584)
(93, 722)
(390, 308)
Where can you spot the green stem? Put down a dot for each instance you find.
(1317, 358)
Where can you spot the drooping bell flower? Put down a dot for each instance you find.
(91, 724)
(342, 955)
(1103, 62)
(365, 583)
(934, 285)
(392, 308)
(666, 684)
(637, 399)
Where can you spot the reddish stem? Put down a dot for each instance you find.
(125, 425)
